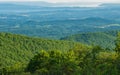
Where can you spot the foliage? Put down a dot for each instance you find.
(91, 62)
(54, 62)
(103, 39)
(19, 49)
(76, 60)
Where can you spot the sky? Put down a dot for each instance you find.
(82, 1)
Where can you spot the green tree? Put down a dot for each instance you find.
(117, 49)
(117, 43)
(39, 62)
(54, 62)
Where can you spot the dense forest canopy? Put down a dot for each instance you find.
(37, 40)
(103, 39)
(21, 55)
(17, 48)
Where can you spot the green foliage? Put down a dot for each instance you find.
(74, 62)
(118, 43)
(16, 49)
(117, 49)
(21, 55)
(54, 62)
(40, 62)
(103, 39)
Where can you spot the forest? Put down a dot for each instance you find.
(23, 55)
(103, 39)
(42, 38)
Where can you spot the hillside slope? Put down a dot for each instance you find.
(17, 48)
(104, 39)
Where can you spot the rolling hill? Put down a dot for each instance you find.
(56, 22)
(103, 39)
(57, 28)
(18, 48)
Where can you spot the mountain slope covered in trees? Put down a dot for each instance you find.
(103, 39)
(20, 49)
(21, 55)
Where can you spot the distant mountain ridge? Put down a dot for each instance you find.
(110, 4)
(64, 4)
(68, 4)
(12, 6)
(103, 39)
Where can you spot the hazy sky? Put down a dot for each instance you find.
(54, 1)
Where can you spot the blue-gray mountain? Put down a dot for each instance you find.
(57, 22)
